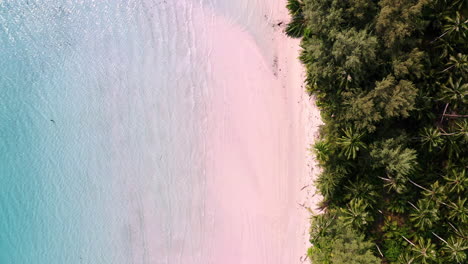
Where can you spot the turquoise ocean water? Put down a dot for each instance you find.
(101, 129)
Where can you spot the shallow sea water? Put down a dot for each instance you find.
(102, 127)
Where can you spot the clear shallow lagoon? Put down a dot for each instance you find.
(98, 129)
(102, 128)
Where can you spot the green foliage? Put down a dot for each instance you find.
(431, 137)
(392, 250)
(297, 27)
(397, 160)
(391, 80)
(337, 243)
(457, 181)
(424, 215)
(454, 92)
(328, 182)
(356, 214)
(409, 64)
(388, 99)
(394, 99)
(455, 27)
(455, 248)
(351, 143)
(424, 251)
(362, 190)
(322, 151)
(399, 20)
(459, 210)
(355, 51)
(393, 243)
(436, 193)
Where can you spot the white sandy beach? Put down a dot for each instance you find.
(259, 170)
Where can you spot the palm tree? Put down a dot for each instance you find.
(455, 92)
(295, 6)
(397, 184)
(296, 28)
(322, 150)
(454, 148)
(397, 205)
(405, 258)
(356, 214)
(436, 192)
(460, 232)
(431, 136)
(455, 248)
(457, 4)
(457, 181)
(461, 130)
(360, 189)
(459, 211)
(319, 226)
(424, 251)
(327, 183)
(455, 27)
(459, 62)
(425, 214)
(351, 143)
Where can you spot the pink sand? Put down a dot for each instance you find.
(249, 207)
(260, 126)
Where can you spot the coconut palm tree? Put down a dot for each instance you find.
(457, 181)
(431, 137)
(295, 6)
(397, 205)
(327, 183)
(455, 27)
(436, 192)
(406, 258)
(460, 232)
(297, 26)
(319, 225)
(356, 214)
(457, 4)
(397, 184)
(424, 251)
(322, 151)
(424, 215)
(455, 92)
(455, 248)
(459, 62)
(351, 143)
(459, 211)
(360, 189)
(454, 148)
(461, 130)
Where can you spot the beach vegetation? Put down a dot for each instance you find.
(391, 81)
